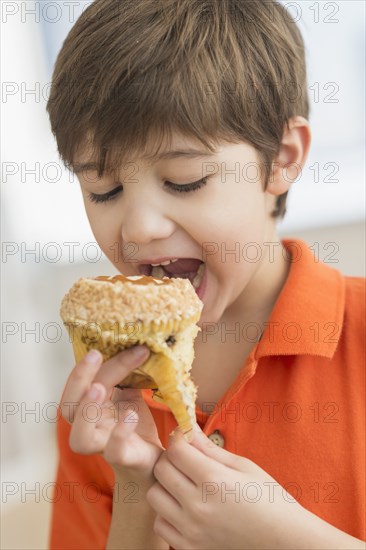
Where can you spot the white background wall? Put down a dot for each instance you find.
(46, 207)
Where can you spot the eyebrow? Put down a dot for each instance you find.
(167, 155)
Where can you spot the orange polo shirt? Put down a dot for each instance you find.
(296, 408)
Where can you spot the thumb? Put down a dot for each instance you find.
(127, 448)
(204, 444)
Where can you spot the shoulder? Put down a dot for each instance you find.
(355, 285)
(354, 319)
(355, 298)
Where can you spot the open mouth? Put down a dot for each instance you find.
(184, 268)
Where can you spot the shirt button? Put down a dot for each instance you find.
(217, 438)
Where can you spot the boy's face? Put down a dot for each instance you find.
(149, 219)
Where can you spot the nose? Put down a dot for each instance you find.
(144, 222)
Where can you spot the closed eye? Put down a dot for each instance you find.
(105, 197)
(187, 187)
(175, 187)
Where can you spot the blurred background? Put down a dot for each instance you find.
(47, 243)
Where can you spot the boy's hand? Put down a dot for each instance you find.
(116, 423)
(208, 498)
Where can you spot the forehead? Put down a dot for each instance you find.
(179, 147)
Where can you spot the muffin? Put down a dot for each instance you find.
(111, 314)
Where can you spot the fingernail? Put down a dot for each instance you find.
(175, 433)
(93, 356)
(188, 436)
(94, 392)
(196, 428)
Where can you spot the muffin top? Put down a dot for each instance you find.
(128, 299)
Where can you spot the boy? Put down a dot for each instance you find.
(186, 123)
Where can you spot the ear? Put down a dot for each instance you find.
(287, 166)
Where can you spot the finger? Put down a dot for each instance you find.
(173, 480)
(116, 369)
(126, 448)
(129, 399)
(133, 399)
(85, 438)
(165, 505)
(169, 533)
(127, 395)
(201, 442)
(117, 451)
(79, 382)
(194, 464)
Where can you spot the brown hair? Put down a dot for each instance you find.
(230, 70)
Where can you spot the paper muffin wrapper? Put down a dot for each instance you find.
(84, 340)
(168, 378)
(175, 389)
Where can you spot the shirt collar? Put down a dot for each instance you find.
(308, 315)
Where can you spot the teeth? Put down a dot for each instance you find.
(167, 262)
(158, 272)
(198, 277)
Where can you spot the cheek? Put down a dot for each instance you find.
(234, 244)
(106, 232)
(240, 220)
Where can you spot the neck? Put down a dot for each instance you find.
(258, 299)
(254, 305)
